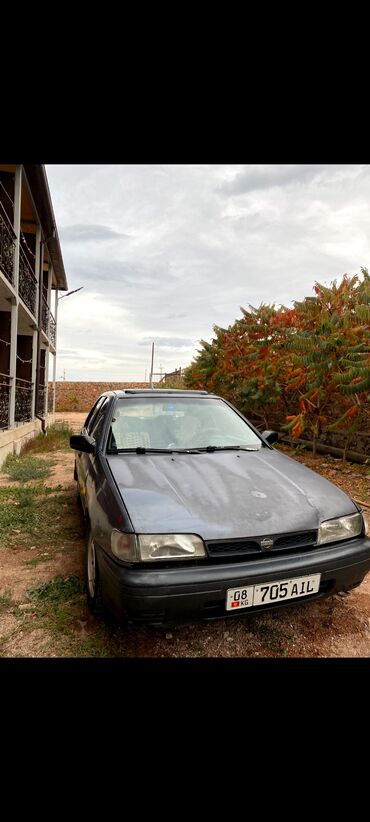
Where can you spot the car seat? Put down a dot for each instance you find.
(129, 432)
(187, 428)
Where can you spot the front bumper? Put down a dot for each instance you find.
(164, 596)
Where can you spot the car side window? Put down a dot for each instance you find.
(98, 422)
(91, 417)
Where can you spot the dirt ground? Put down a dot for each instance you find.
(57, 623)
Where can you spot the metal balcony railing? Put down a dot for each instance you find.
(52, 330)
(7, 249)
(48, 323)
(27, 283)
(40, 401)
(45, 313)
(23, 400)
(4, 400)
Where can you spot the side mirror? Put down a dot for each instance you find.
(82, 442)
(270, 436)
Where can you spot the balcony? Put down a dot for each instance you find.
(40, 401)
(4, 400)
(7, 249)
(27, 283)
(23, 400)
(48, 324)
(52, 330)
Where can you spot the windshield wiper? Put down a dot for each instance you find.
(208, 449)
(140, 450)
(211, 448)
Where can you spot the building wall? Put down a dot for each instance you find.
(27, 327)
(13, 440)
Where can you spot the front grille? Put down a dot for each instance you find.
(295, 540)
(244, 549)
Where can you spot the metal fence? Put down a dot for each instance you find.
(7, 249)
(23, 400)
(27, 283)
(4, 400)
(40, 401)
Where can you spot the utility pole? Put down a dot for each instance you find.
(151, 368)
(57, 298)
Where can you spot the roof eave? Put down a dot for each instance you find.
(37, 179)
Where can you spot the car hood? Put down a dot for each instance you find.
(224, 494)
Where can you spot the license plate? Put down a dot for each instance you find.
(269, 592)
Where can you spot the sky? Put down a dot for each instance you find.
(164, 252)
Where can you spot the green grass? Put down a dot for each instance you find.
(32, 563)
(270, 636)
(58, 603)
(17, 511)
(24, 468)
(60, 589)
(5, 601)
(56, 439)
(35, 515)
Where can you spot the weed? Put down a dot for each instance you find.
(56, 439)
(37, 513)
(17, 511)
(58, 604)
(25, 468)
(60, 589)
(89, 645)
(270, 636)
(5, 600)
(58, 620)
(32, 563)
(197, 647)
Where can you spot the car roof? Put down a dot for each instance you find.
(156, 392)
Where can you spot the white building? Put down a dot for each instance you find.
(31, 268)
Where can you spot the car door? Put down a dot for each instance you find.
(85, 462)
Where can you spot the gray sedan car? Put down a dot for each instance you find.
(191, 513)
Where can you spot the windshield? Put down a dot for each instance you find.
(178, 423)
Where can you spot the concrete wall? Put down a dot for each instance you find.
(80, 396)
(12, 440)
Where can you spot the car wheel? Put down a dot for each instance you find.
(93, 580)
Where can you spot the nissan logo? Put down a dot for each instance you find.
(266, 543)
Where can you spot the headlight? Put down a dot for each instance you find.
(366, 520)
(170, 546)
(124, 546)
(151, 547)
(342, 528)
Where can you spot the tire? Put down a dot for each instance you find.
(75, 476)
(94, 590)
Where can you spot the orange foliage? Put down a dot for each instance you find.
(352, 412)
(297, 430)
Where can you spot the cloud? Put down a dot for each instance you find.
(172, 257)
(167, 342)
(89, 233)
(256, 178)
